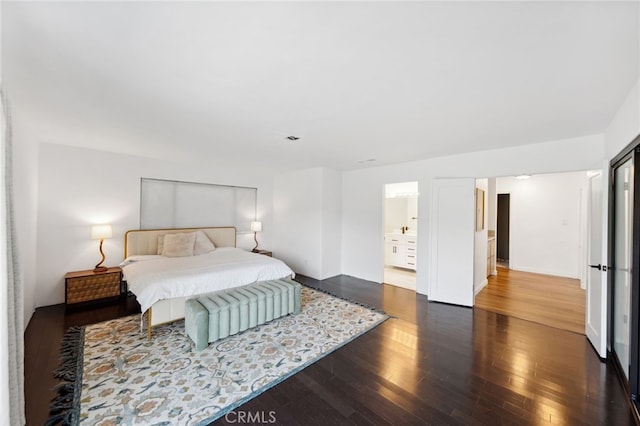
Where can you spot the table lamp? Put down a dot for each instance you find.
(256, 227)
(100, 232)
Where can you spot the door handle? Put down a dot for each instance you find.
(598, 267)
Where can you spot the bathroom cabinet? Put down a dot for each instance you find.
(400, 250)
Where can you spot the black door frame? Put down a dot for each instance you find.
(631, 151)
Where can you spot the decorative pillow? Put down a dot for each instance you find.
(179, 245)
(203, 244)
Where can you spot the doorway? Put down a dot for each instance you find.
(401, 234)
(502, 230)
(540, 249)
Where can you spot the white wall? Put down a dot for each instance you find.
(79, 187)
(399, 212)
(307, 208)
(547, 228)
(401, 206)
(297, 209)
(480, 244)
(492, 205)
(401, 189)
(623, 129)
(395, 214)
(625, 125)
(331, 223)
(361, 219)
(362, 222)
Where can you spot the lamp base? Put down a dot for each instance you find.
(99, 268)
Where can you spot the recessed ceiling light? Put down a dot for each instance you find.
(369, 160)
(292, 138)
(523, 176)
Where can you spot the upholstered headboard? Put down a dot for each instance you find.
(145, 241)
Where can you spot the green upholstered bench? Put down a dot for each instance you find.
(214, 316)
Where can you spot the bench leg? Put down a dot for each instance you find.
(297, 298)
(196, 323)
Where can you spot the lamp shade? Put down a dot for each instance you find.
(99, 232)
(256, 226)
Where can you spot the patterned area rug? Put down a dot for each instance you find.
(116, 376)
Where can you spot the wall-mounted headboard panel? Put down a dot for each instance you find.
(145, 241)
(176, 204)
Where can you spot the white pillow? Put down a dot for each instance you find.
(140, 258)
(203, 244)
(179, 245)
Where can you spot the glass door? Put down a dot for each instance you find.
(622, 258)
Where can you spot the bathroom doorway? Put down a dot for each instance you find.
(401, 234)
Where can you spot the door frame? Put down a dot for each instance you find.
(596, 331)
(630, 151)
(383, 228)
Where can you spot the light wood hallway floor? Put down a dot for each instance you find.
(545, 299)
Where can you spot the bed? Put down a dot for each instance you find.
(162, 284)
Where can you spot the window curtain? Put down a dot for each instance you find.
(12, 332)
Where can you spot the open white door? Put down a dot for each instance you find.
(452, 241)
(595, 315)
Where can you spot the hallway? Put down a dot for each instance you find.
(545, 299)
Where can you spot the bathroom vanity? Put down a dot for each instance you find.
(400, 250)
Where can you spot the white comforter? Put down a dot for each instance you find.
(153, 278)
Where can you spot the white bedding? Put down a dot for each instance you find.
(154, 278)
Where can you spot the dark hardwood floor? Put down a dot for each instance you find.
(429, 364)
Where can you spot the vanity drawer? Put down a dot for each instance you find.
(401, 250)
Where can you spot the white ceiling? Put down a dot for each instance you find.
(390, 81)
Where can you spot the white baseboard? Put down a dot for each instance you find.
(479, 289)
(543, 271)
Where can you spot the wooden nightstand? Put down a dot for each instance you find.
(90, 286)
(264, 252)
